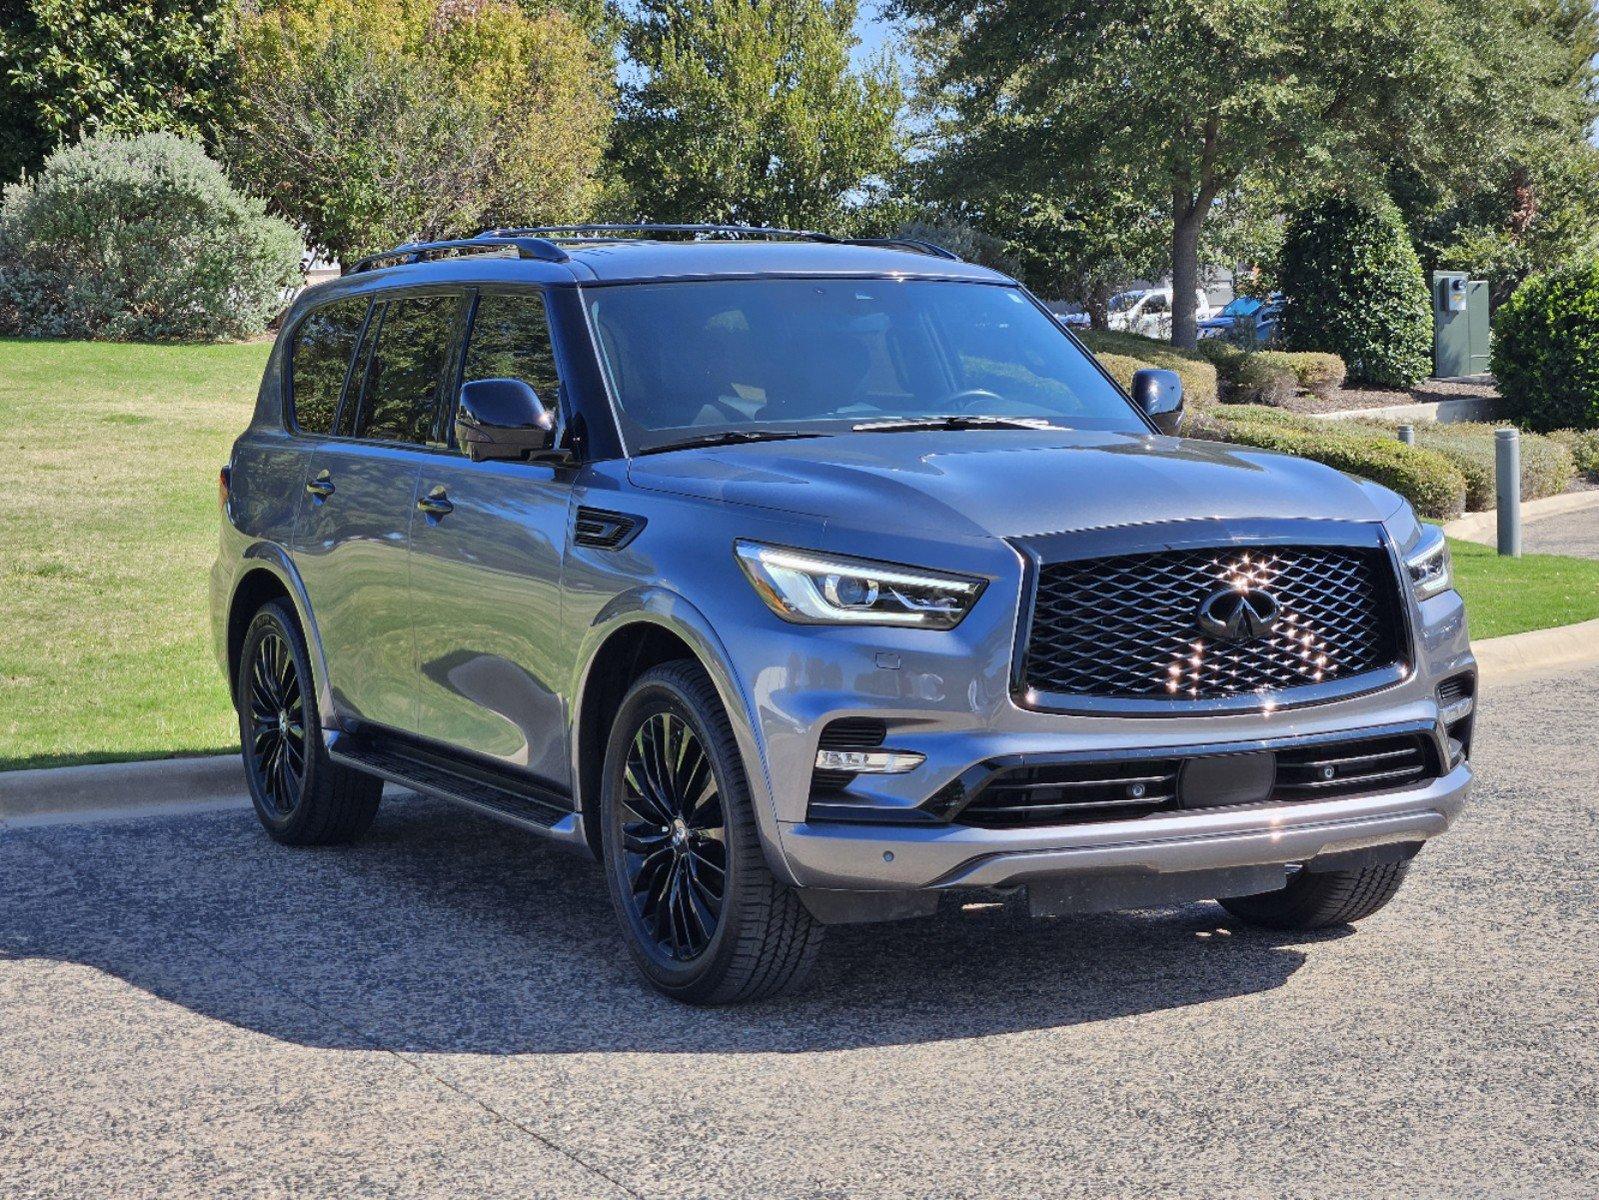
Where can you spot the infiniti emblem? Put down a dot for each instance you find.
(1236, 616)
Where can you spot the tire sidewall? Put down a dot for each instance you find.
(652, 695)
(273, 618)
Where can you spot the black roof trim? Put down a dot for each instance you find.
(414, 252)
(644, 229)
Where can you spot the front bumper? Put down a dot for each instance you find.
(899, 858)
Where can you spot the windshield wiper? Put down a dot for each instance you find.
(730, 437)
(954, 421)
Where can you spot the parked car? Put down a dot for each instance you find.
(1149, 310)
(803, 582)
(1261, 318)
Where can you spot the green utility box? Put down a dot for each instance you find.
(1459, 325)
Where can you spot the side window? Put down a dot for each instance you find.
(404, 369)
(511, 340)
(318, 362)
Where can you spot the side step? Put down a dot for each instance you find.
(522, 803)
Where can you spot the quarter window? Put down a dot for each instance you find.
(511, 340)
(404, 369)
(319, 361)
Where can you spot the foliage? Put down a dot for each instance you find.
(1177, 102)
(1271, 377)
(1198, 376)
(1547, 466)
(1426, 478)
(69, 68)
(1546, 349)
(1583, 445)
(140, 237)
(372, 122)
(971, 244)
(748, 111)
(1354, 288)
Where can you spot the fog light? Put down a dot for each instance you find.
(1459, 710)
(868, 762)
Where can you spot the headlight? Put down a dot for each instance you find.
(1428, 565)
(818, 589)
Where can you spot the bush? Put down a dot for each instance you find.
(1584, 447)
(139, 238)
(1426, 478)
(1198, 376)
(1355, 289)
(1270, 376)
(1547, 467)
(1546, 349)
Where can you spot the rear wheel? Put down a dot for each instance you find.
(1321, 899)
(302, 797)
(704, 918)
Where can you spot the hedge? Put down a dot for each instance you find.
(1584, 447)
(1433, 484)
(1545, 353)
(1198, 376)
(1271, 376)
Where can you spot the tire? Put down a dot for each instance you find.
(1323, 899)
(301, 796)
(675, 806)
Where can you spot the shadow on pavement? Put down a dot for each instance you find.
(443, 933)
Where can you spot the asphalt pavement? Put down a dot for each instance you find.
(446, 1010)
(1575, 533)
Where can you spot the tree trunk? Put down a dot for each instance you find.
(1185, 273)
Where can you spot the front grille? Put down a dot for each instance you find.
(1127, 627)
(1131, 789)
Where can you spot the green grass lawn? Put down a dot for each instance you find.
(1513, 595)
(108, 525)
(108, 519)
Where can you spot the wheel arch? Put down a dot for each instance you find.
(635, 632)
(266, 574)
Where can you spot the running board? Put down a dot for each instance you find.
(521, 803)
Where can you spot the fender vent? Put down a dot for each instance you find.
(602, 530)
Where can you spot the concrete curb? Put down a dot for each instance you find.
(1517, 654)
(1484, 526)
(117, 788)
(1424, 412)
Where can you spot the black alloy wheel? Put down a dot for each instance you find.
(674, 829)
(275, 724)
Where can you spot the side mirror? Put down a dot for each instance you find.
(502, 418)
(1159, 396)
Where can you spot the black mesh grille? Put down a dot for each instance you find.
(1127, 626)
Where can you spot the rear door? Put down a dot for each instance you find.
(353, 534)
(486, 568)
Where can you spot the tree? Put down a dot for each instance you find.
(748, 111)
(1354, 288)
(372, 122)
(1185, 98)
(69, 68)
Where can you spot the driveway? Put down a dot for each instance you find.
(188, 1010)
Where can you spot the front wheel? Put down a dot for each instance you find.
(1322, 899)
(704, 918)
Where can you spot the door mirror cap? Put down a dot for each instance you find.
(1159, 396)
(502, 419)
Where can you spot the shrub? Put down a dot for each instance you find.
(1317, 372)
(1426, 478)
(139, 238)
(1271, 377)
(1547, 467)
(1355, 289)
(1584, 447)
(1546, 349)
(1198, 376)
(370, 122)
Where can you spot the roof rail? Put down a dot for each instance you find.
(919, 245)
(415, 252)
(645, 228)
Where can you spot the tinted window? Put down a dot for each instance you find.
(511, 340)
(322, 348)
(826, 354)
(405, 367)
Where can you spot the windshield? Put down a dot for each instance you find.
(1122, 301)
(820, 356)
(1240, 307)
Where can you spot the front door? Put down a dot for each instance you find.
(353, 537)
(486, 571)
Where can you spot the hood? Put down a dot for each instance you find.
(1012, 483)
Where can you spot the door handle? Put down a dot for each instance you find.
(436, 503)
(321, 487)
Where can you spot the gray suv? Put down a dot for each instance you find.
(802, 581)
